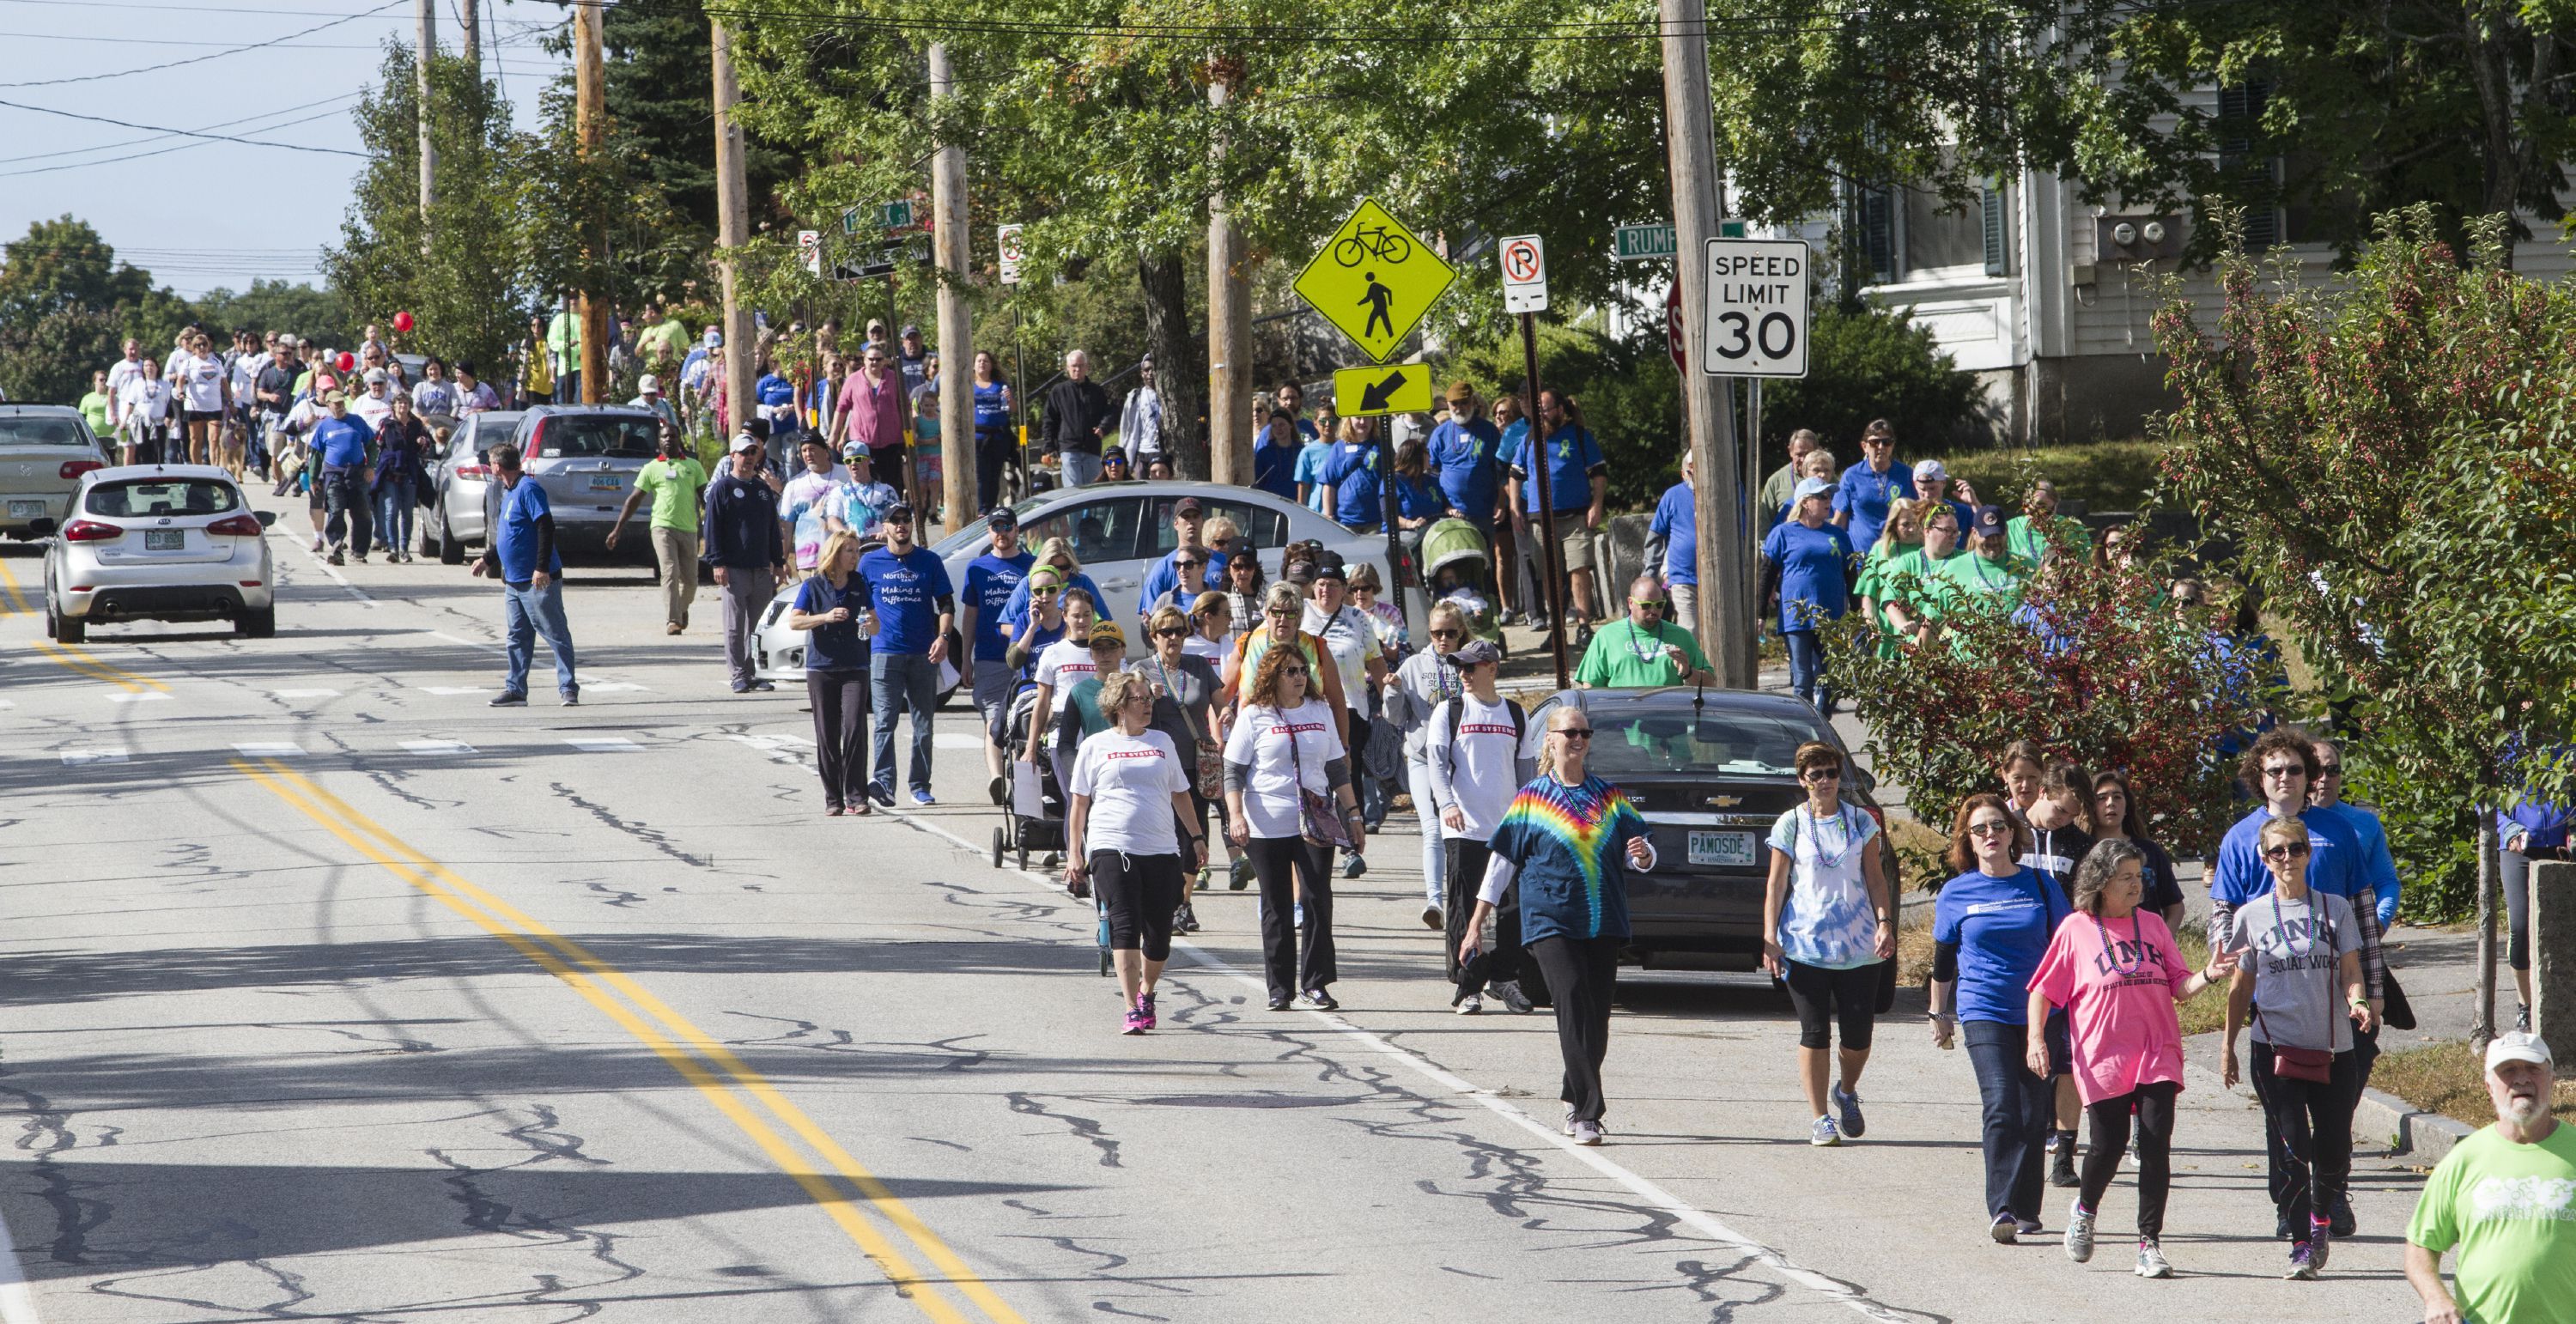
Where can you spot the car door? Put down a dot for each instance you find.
(1104, 533)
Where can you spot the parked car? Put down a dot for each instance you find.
(44, 450)
(162, 543)
(456, 483)
(1118, 531)
(1711, 770)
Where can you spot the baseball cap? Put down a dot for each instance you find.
(1332, 568)
(1808, 487)
(1474, 653)
(287, 340)
(376, 375)
(1990, 521)
(2517, 1046)
(899, 510)
(745, 442)
(910, 330)
(325, 382)
(1114, 453)
(1460, 390)
(1930, 471)
(1188, 505)
(1001, 518)
(1107, 632)
(335, 398)
(649, 384)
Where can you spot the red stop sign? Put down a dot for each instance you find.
(1673, 326)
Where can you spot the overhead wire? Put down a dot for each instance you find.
(188, 133)
(199, 59)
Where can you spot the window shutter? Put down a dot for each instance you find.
(2255, 179)
(1998, 227)
(1878, 233)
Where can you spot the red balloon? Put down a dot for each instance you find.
(402, 321)
(347, 360)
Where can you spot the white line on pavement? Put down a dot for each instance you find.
(1664, 1201)
(268, 749)
(610, 687)
(73, 758)
(306, 694)
(604, 744)
(438, 747)
(139, 696)
(452, 689)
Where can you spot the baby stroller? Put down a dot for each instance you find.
(1034, 819)
(1458, 566)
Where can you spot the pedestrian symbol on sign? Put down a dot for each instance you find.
(1374, 279)
(1376, 299)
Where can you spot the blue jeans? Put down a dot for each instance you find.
(2019, 1110)
(394, 506)
(528, 612)
(1807, 668)
(899, 683)
(1079, 470)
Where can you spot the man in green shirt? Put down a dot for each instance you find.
(93, 406)
(677, 483)
(1784, 480)
(2031, 532)
(1913, 581)
(2506, 1198)
(663, 338)
(1989, 572)
(1644, 650)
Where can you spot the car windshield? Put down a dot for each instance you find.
(145, 497)
(1669, 741)
(43, 430)
(615, 437)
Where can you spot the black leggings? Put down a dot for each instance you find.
(1582, 975)
(1140, 892)
(1822, 996)
(2513, 869)
(993, 450)
(840, 702)
(2155, 1106)
(2312, 1121)
(1289, 970)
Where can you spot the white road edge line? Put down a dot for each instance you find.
(325, 567)
(17, 1299)
(1664, 1201)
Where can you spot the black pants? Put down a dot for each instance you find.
(1463, 875)
(1821, 996)
(2155, 1107)
(2311, 1124)
(992, 452)
(344, 496)
(840, 703)
(2276, 1158)
(2019, 1109)
(1290, 969)
(1139, 892)
(1581, 973)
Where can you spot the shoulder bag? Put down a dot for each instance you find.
(1319, 819)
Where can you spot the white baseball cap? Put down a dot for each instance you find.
(2517, 1046)
(650, 385)
(1930, 471)
(745, 442)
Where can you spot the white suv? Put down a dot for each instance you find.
(161, 543)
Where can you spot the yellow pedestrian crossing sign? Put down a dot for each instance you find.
(1374, 279)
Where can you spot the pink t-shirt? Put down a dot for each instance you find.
(2117, 979)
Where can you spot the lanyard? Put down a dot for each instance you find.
(2137, 943)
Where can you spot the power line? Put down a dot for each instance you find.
(163, 41)
(185, 133)
(217, 55)
(137, 142)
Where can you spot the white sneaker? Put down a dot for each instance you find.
(1823, 1134)
(2151, 1260)
(1509, 992)
(1471, 1004)
(2079, 1233)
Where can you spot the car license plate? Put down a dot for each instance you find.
(607, 482)
(164, 540)
(26, 510)
(1724, 849)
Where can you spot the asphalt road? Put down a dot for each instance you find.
(334, 994)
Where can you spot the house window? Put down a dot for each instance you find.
(2252, 176)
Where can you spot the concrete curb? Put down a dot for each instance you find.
(2380, 1118)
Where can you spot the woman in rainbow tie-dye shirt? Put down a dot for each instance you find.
(1567, 842)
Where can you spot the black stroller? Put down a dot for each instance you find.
(1034, 818)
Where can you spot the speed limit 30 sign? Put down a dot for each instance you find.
(1757, 308)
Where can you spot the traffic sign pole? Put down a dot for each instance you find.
(1553, 555)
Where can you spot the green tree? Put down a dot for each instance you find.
(66, 303)
(275, 305)
(1866, 363)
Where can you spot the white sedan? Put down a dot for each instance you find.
(161, 543)
(1118, 531)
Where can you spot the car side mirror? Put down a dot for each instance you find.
(267, 518)
(40, 527)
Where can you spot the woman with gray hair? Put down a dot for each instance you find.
(2114, 967)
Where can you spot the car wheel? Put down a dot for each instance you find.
(428, 538)
(260, 624)
(450, 551)
(70, 629)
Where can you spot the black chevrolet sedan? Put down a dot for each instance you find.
(1711, 770)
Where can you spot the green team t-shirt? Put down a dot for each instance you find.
(2029, 542)
(1963, 579)
(1623, 657)
(675, 485)
(1913, 578)
(93, 407)
(2510, 1210)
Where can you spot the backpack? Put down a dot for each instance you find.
(1520, 721)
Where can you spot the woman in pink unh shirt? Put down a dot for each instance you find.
(2114, 967)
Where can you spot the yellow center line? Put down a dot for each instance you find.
(9, 586)
(594, 979)
(79, 663)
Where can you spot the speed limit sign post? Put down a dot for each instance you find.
(1757, 309)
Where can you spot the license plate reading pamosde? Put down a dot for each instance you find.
(1724, 849)
(164, 540)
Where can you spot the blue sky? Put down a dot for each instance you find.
(201, 214)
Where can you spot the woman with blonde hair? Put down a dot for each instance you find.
(1056, 554)
(1902, 533)
(832, 608)
(1128, 791)
(1285, 754)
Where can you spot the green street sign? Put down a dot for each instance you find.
(850, 221)
(1638, 243)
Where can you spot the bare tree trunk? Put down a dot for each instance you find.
(1179, 374)
(2500, 162)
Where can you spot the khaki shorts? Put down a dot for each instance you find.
(1576, 540)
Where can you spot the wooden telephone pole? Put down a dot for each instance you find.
(1230, 381)
(426, 12)
(590, 107)
(733, 229)
(950, 238)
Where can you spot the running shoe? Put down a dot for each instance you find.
(1588, 1133)
(1145, 1008)
(2079, 1233)
(2028, 1227)
(2003, 1230)
(2061, 1170)
(1185, 920)
(1355, 866)
(1471, 1004)
(1280, 1002)
(1136, 1022)
(509, 699)
(924, 799)
(881, 796)
(2151, 1260)
(571, 698)
(2340, 1221)
(1320, 1000)
(1515, 1001)
(2303, 1261)
(1431, 917)
(764, 686)
(1847, 1113)
(1823, 1135)
(335, 558)
(1569, 1121)
(1238, 875)
(2521, 1018)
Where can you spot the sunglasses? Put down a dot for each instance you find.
(1298, 672)
(1575, 732)
(1650, 604)
(1989, 828)
(1281, 615)
(1444, 634)
(1188, 565)
(1821, 775)
(2329, 770)
(2291, 851)
(898, 519)
(2286, 770)
(1171, 632)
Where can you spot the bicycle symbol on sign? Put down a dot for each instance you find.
(1372, 241)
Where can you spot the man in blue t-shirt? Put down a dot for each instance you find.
(521, 554)
(908, 589)
(1672, 545)
(342, 441)
(2378, 867)
(1861, 498)
(1274, 455)
(1467, 451)
(1578, 477)
(1350, 478)
(990, 581)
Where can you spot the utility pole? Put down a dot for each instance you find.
(949, 240)
(469, 37)
(1724, 626)
(1551, 561)
(733, 229)
(1230, 384)
(590, 106)
(427, 13)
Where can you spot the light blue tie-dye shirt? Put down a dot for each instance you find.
(1827, 921)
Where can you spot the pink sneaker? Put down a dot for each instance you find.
(1145, 1009)
(1137, 1021)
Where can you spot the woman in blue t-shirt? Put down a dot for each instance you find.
(832, 608)
(1990, 926)
(995, 443)
(1808, 565)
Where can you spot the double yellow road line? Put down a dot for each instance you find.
(857, 1201)
(70, 658)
